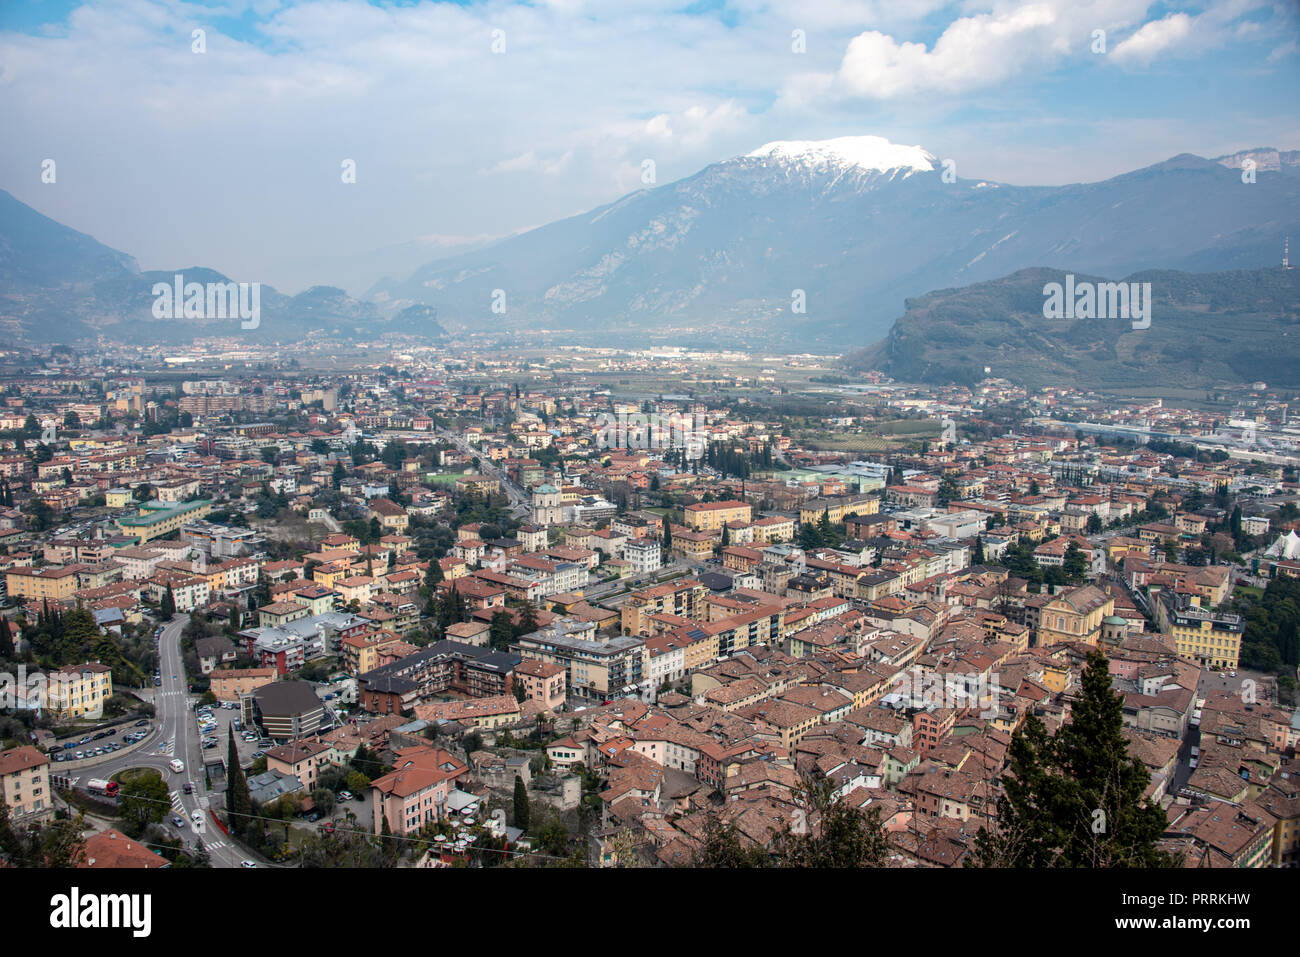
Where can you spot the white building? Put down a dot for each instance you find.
(644, 554)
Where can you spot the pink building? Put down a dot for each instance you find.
(416, 792)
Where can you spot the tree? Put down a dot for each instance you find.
(1074, 799)
(324, 800)
(723, 846)
(434, 575)
(1075, 565)
(978, 557)
(168, 606)
(521, 804)
(501, 631)
(143, 800)
(668, 536)
(1094, 524)
(832, 833)
(527, 620)
(239, 804)
(53, 845)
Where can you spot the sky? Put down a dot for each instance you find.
(464, 122)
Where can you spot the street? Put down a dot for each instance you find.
(175, 735)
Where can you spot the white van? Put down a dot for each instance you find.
(178, 765)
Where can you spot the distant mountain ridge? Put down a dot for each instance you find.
(859, 225)
(59, 285)
(848, 229)
(1205, 328)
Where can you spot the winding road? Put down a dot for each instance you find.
(175, 735)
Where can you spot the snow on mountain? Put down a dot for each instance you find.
(865, 152)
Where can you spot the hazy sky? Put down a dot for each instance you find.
(232, 158)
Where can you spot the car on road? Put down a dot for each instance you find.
(189, 788)
(247, 864)
(178, 821)
(177, 765)
(142, 723)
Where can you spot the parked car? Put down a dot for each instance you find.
(345, 795)
(142, 723)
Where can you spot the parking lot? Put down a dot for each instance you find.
(99, 743)
(214, 723)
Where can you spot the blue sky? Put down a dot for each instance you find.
(231, 158)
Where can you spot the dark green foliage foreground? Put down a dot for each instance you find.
(1074, 799)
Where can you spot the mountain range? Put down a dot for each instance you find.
(851, 228)
(1202, 329)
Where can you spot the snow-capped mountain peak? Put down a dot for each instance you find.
(863, 152)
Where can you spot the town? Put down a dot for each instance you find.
(420, 606)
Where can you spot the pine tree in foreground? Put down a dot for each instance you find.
(1075, 798)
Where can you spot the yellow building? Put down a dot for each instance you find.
(40, 583)
(77, 691)
(117, 497)
(155, 520)
(1210, 639)
(230, 684)
(684, 598)
(709, 516)
(838, 508)
(1074, 615)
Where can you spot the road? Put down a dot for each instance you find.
(516, 495)
(176, 734)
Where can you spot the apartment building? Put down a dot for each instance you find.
(416, 791)
(77, 691)
(1209, 638)
(711, 516)
(25, 785)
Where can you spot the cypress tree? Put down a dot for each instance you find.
(521, 804)
(238, 803)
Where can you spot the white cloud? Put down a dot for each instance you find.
(1154, 38)
(181, 158)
